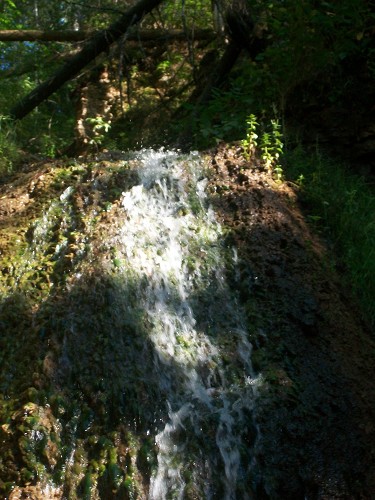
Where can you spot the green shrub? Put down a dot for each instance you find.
(9, 152)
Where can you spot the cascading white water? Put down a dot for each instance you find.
(171, 245)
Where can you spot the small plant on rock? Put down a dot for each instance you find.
(100, 128)
(250, 142)
(271, 146)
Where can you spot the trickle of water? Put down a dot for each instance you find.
(170, 244)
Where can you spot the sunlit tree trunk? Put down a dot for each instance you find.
(96, 99)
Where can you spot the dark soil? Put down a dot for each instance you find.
(316, 410)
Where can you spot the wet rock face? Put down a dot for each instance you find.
(48, 216)
(316, 406)
(78, 369)
(138, 348)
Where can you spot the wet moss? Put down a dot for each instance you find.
(86, 486)
(32, 266)
(147, 457)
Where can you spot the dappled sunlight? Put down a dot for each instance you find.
(141, 346)
(154, 346)
(186, 326)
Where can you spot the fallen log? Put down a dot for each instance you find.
(82, 35)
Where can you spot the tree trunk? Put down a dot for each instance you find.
(153, 35)
(96, 99)
(220, 72)
(100, 42)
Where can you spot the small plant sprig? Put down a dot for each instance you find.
(271, 146)
(250, 142)
(266, 149)
(278, 147)
(100, 128)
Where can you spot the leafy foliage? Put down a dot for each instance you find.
(9, 153)
(186, 13)
(307, 39)
(250, 143)
(271, 146)
(307, 43)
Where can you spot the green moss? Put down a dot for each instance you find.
(6, 487)
(86, 486)
(147, 458)
(27, 475)
(115, 475)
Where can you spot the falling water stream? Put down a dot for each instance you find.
(172, 244)
(172, 287)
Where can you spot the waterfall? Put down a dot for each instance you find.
(146, 387)
(171, 245)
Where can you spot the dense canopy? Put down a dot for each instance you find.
(306, 54)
